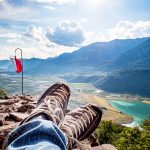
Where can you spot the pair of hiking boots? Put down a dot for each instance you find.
(77, 124)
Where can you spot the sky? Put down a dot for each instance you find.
(48, 28)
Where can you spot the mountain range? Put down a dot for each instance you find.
(119, 66)
(136, 58)
(95, 57)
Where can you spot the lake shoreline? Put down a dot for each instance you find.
(132, 108)
(109, 112)
(126, 97)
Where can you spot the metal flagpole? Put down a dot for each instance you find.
(22, 65)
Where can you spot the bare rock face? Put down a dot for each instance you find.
(6, 109)
(4, 130)
(6, 102)
(26, 107)
(16, 117)
(27, 98)
(1, 119)
(12, 111)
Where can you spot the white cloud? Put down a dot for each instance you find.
(29, 10)
(38, 45)
(43, 42)
(128, 29)
(101, 4)
(122, 30)
(36, 33)
(11, 12)
(10, 35)
(67, 33)
(50, 7)
(31, 48)
(59, 2)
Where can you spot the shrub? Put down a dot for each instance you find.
(146, 124)
(124, 138)
(2, 93)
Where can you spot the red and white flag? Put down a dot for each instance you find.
(17, 63)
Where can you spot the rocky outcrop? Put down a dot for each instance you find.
(15, 108)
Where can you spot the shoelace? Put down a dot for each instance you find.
(55, 106)
(65, 93)
(79, 121)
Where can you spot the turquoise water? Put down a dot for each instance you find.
(138, 110)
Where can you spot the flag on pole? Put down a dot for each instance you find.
(17, 63)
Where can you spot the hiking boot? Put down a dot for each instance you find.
(52, 104)
(80, 123)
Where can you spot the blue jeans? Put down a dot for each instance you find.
(37, 135)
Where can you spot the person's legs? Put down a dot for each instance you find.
(40, 131)
(40, 127)
(37, 135)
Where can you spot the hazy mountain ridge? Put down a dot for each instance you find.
(127, 81)
(28, 64)
(4, 64)
(93, 57)
(137, 58)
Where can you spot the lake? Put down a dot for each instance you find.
(138, 110)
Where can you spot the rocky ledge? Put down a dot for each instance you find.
(14, 109)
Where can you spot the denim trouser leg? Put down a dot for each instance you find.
(37, 135)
